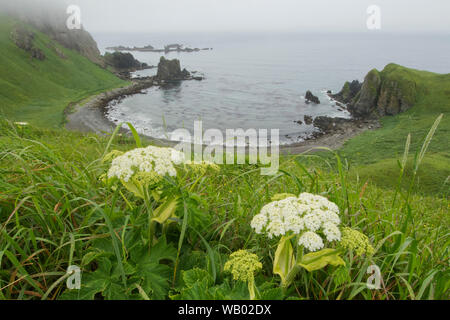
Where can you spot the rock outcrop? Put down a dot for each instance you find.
(170, 70)
(348, 92)
(308, 120)
(388, 92)
(123, 61)
(311, 98)
(24, 39)
(331, 126)
(51, 18)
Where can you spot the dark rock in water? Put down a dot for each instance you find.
(170, 70)
(123, 61)
(348, 92)
(24, 39)
(308, 120)
(185, 73)
(311, 98)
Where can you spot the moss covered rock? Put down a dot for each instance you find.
(389, 92)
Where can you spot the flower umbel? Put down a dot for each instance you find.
(356, 241)
(154, 160)
(308, 216)
(243, 265)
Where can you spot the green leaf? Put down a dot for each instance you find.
(282, 196)
(190, 277)
(272, 294)
(320, 259)
(155, 279)
(154, 275)
(165, 211)
(102, 281)
(131, 186)
(284, 260)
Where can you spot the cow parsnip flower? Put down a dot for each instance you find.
(243, 265)
(311, 241)
(202, 167)
(356, 241)
(309, 216)
(151, 160)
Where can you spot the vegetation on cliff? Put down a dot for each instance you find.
(375, 153)
(38, 91)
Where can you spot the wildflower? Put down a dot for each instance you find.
(154, 160)
(202, 167)
(308, 216)
(331, 231)
(356, 241)
(311, 241)
(243, 265)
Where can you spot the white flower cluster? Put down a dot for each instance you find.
(151, 159)
(307, 215)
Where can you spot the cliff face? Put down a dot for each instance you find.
(80, 41)
(388, 92)
(50, 18)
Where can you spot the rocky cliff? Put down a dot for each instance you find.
(50, 18)
(388, 92)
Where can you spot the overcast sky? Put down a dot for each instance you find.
(259, 15)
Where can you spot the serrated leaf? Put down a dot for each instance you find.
(155, 279)
(272, 294)
(320, 259)
(190, 277)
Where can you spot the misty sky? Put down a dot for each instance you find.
(258, 15)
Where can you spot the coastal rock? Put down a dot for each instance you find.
(366, 100)
(308, 120)
(332, 125)
(123, 61)
(348, 92)
(170, 70)
(311, 98)
(388, 92)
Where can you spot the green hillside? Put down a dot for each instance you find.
(375, 153)
(38, 91)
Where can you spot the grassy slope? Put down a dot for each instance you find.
(38, 91)
(51, 180)
(375, 153)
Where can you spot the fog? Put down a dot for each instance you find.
(415, 16)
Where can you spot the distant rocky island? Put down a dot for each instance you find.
(149, 48)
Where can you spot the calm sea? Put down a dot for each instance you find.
(259, 80)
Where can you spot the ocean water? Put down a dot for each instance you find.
(259, 80)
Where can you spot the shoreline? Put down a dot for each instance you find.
(90, 117)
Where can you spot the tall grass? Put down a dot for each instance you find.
(55, 212)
